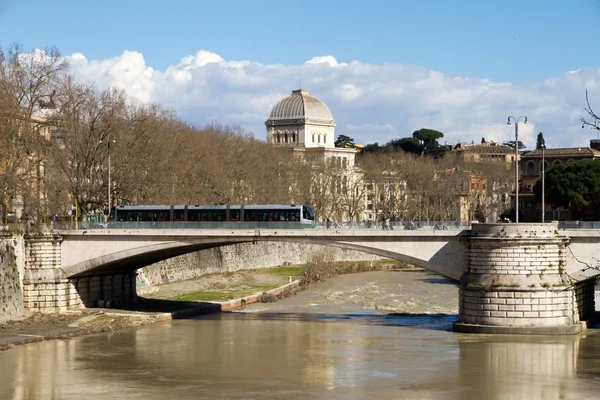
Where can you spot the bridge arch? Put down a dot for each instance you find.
(444, 254)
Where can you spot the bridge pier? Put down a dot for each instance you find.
(516, 282)
(47, 289)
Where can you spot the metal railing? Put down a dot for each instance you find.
(397, 225)
(393, 225)
(178, 225)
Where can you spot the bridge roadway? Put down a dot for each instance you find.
(101, 251)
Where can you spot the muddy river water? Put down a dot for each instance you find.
(375, 335)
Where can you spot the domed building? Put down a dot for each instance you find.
(300, 120)
(304, 126)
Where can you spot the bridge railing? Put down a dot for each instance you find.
(579, 224)
(393, 225)
(180, 225)
(397, 225)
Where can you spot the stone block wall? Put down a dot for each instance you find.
(516, 307)
(106, 291)
(516, 279)
(11, 297)
(47, 289)
(239, 257)
(585, 305)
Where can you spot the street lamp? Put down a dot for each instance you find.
(543, 145)
(109, 188)
(516, 120)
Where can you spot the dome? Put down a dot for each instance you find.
(300, 106)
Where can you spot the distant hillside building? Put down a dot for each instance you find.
(531, 173)
(478, 200)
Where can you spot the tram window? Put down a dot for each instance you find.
(250, 216)
(178, 216)
(145, 216)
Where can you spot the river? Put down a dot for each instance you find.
(374, 335)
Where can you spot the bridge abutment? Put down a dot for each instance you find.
(47, 289)
(516, 283)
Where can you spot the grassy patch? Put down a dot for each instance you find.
(388, 262)
(287, 271)
(223, 295)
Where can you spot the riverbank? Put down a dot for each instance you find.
(182, 299)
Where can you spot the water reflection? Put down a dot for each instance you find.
(298, 355)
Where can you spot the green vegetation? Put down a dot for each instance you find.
(223, 295)
(424, 141)
(344, 141)
(287, 271)
(576, 184)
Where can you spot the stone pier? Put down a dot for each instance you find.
(47, 289)
(516, 282)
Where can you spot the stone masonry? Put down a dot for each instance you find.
(47, 289)
(516, 282)
(11, 297)
(238, 257)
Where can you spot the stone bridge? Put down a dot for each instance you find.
(512, 277)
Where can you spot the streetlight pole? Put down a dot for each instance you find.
(109, 196)
(109, 140)
(516, 121)
(543, 183)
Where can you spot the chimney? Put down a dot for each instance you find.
(595, 144)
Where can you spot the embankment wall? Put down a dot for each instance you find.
(11, 297)
(239, 257)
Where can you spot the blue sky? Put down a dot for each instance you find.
(488, 53)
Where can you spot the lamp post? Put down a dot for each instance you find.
(108, 141)
(543, 145)
(516, 121)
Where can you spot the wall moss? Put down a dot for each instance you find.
(11, 296)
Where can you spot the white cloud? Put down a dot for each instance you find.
(371, 103)
(330, 60)
(128, 71)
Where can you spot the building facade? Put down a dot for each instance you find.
(531, 172)
(303, 126)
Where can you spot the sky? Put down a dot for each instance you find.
(384, 68)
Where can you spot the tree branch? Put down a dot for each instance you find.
(594, 123)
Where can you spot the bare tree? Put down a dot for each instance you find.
(28, 83)
(87, 120)
(593, 120)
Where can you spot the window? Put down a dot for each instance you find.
(530, 168)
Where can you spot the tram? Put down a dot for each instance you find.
(212, 216)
